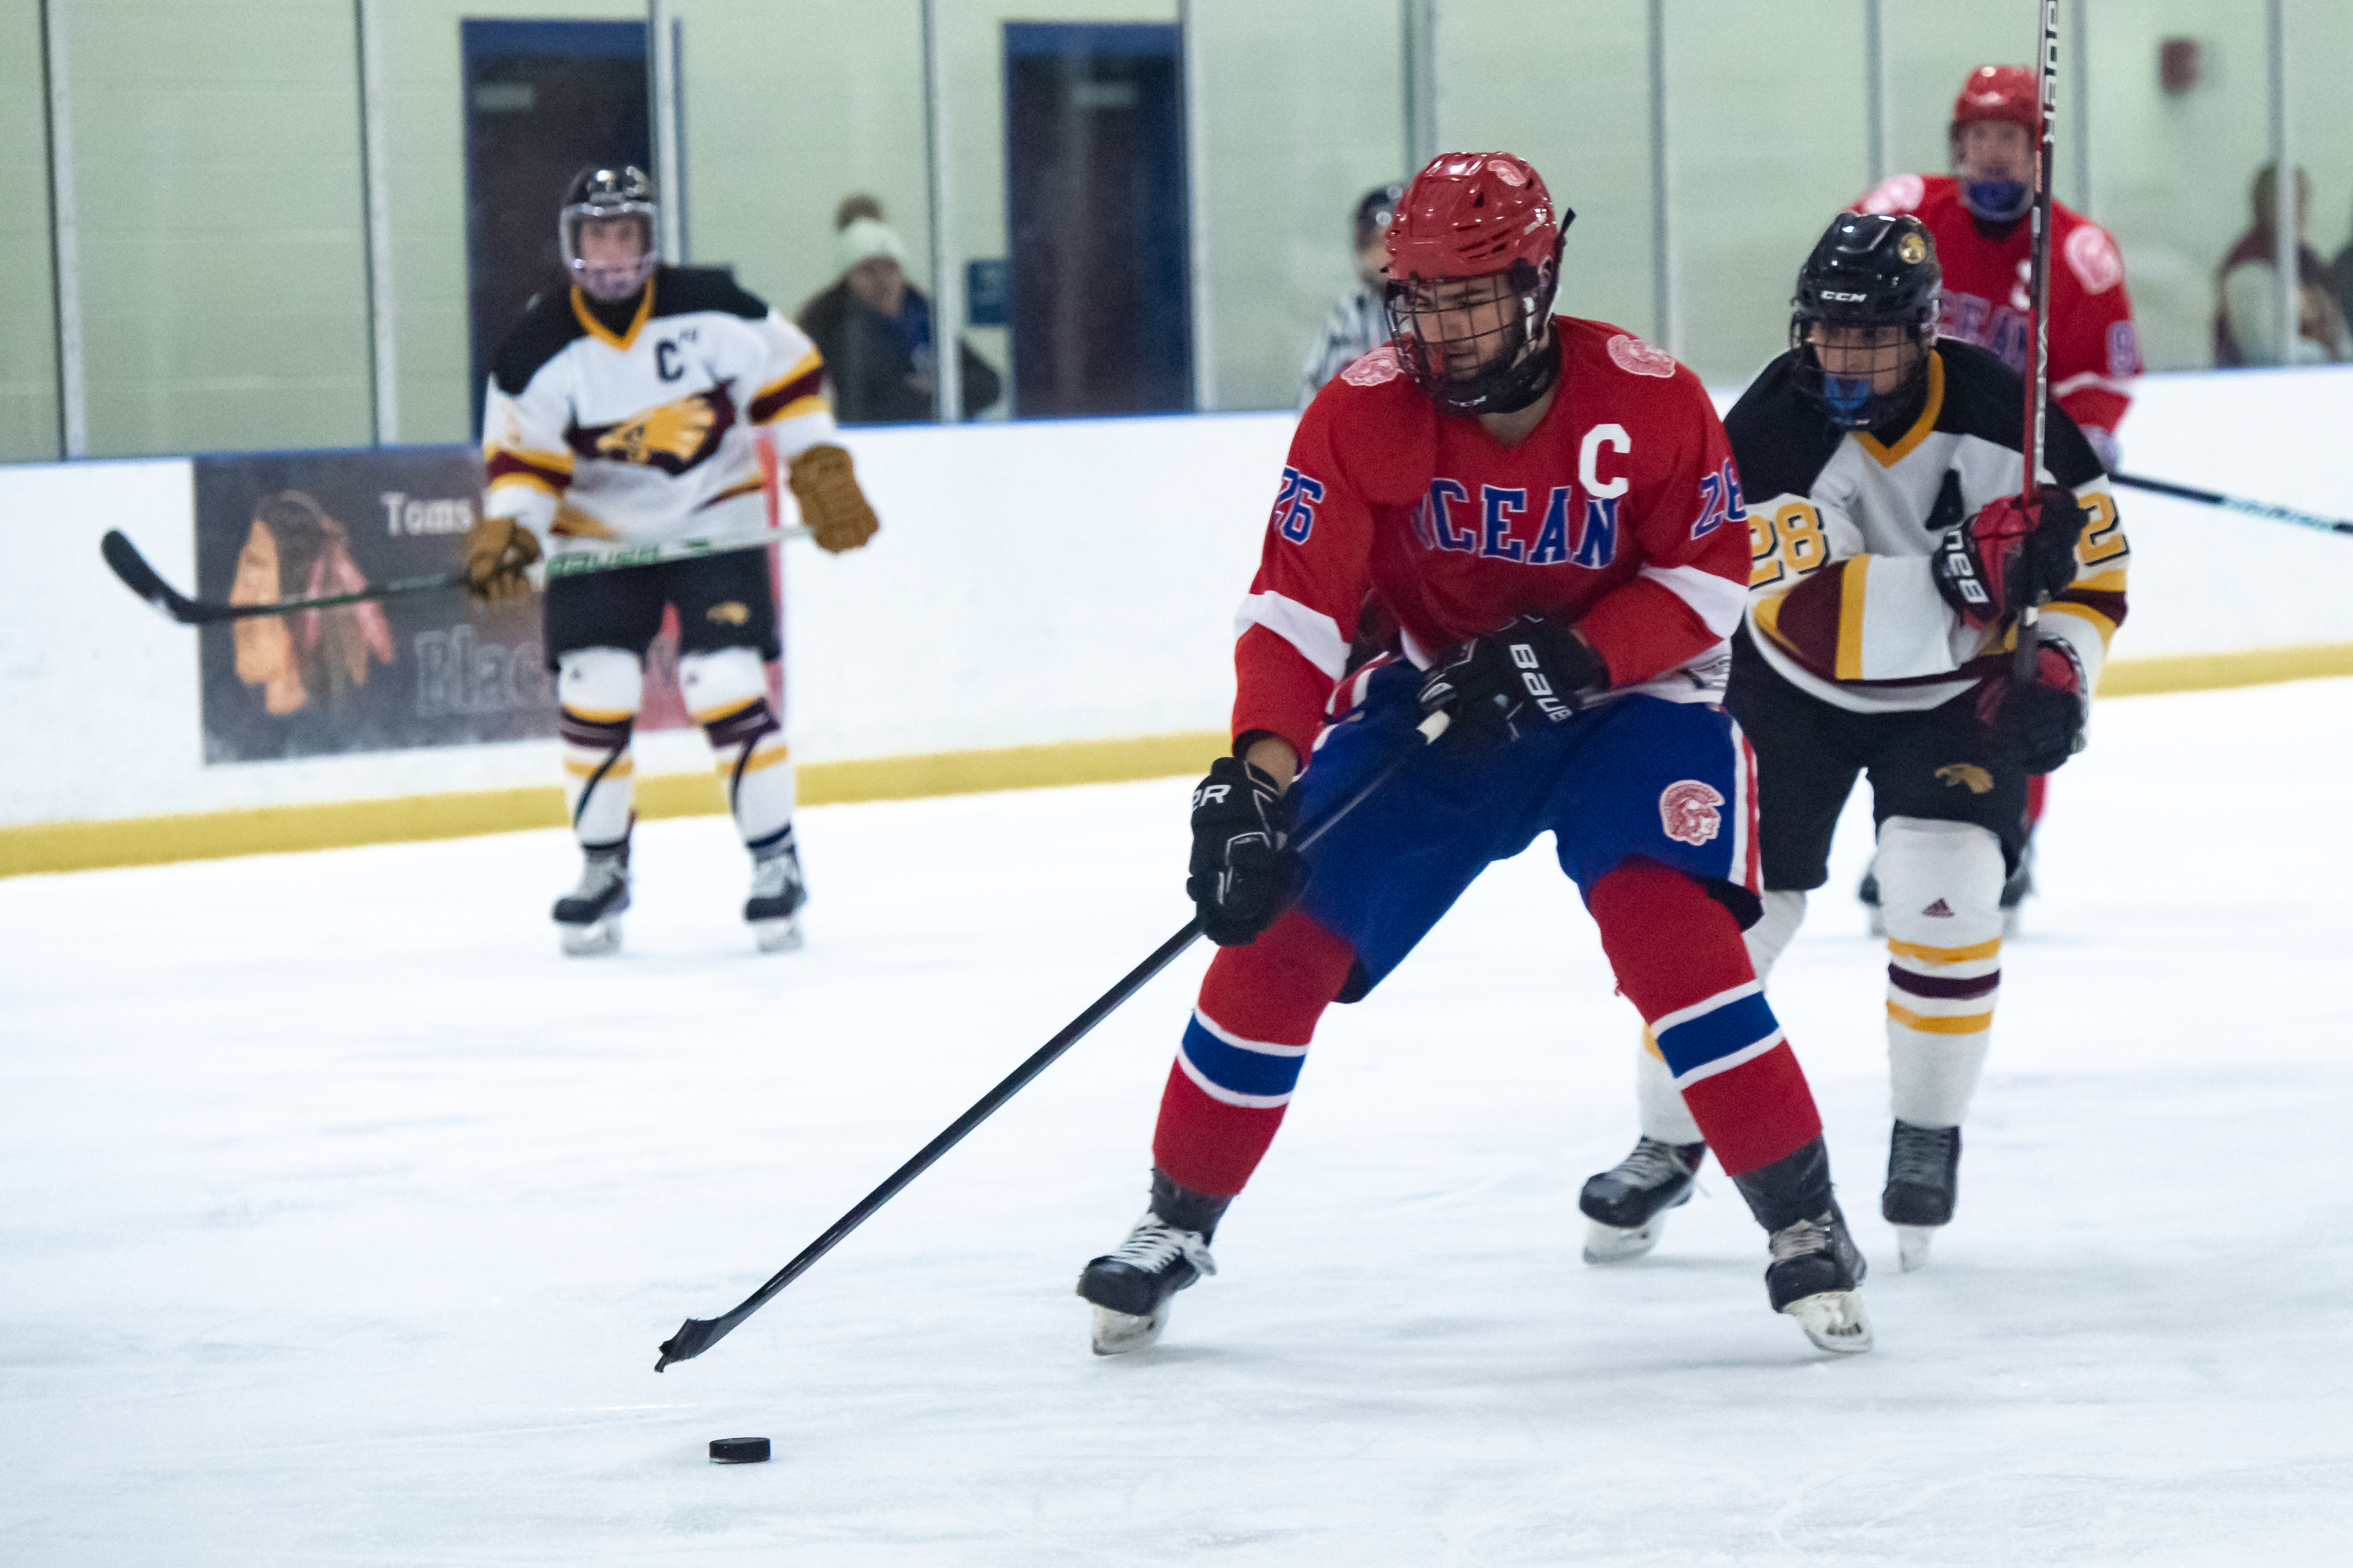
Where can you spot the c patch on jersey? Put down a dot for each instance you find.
(1690, 812)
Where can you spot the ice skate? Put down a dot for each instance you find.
(1129, 1287)
(1814, 1277)
(1923, 1166)
(777, 893)
(588, 918)
(1627, 1204)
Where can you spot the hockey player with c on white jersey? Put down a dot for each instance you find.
(624, 411)
(1891, 556)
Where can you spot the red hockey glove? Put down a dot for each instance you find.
(2012, 554)
(2039, 724)
(1526, 674)
(1244, 870)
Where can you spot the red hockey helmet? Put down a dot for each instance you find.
(1998, 92)
(1468, 217)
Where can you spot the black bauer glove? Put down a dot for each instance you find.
(2039, 724)
(1527, 673)
(1244, 870)
(2011, 556)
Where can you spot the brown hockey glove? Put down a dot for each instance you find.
(831, 503)
(497, 551)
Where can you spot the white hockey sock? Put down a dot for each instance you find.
(1658, 1101)
(1940, 889)
(727, 693)
(598, 691)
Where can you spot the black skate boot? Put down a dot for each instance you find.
(778, 894)
(1816, 1270)
(1166, 1251)
(1924, 1171)
(588, 918)
(1627, 1203)
(1867, 896)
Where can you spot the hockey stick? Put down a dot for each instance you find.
(2038, 385)
(142, 579)
(2240, 504)
(699, 1334)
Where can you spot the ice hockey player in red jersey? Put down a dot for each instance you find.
(624, 410)
(1976, 217)
(1547, 509)
(1891, 555)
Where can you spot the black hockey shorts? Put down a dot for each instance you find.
(1931, 765)
(724, 601)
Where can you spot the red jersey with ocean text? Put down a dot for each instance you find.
(1619, 513)
(1986, 300)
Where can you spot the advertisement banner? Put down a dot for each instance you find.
(424, 669)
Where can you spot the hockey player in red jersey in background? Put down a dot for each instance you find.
(1978, 217)
(1547, 508)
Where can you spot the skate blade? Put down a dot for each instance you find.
(1116, 1334)
(599, 939)
(1611, 1244)
(1912, 1245)
(779, 936)
(1834, 1321)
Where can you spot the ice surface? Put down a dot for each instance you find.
(340, 1219)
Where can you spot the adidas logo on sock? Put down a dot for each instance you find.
(1939, 911)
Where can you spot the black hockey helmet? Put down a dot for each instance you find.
(1868, 293)
(603, 195)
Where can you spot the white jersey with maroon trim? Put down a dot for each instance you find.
(1843, 596)
(594, 440)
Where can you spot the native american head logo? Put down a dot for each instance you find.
(1373, 368)
(1976, 778)
(1689, 812)
(680, 432)
(1635, 357)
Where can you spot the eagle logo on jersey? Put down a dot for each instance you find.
(1636, 357)
(1967, 774)
(672, 436)
(1689, 812)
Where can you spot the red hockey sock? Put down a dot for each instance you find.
(1242, 1051)
(1681, 962)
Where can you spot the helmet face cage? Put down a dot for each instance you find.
(1488, 355)
(1892, 353)
(605, 195)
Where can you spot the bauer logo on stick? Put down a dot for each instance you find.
(1689, 812)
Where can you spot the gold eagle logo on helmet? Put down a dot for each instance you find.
(674, 430)
(1913, 249)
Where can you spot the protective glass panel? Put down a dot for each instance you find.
(2319, 61)
(28, 363)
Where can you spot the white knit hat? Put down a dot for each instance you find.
(866, 238)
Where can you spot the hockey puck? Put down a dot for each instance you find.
(739, 1450)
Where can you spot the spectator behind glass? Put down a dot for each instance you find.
(1358, 322)
(2341, 274)
(2246, 323)
(874, 329)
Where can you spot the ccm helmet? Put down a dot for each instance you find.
(2008, 95)
(1474, 258)
(605, 195)
(1868, 292)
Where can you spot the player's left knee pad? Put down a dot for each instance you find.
(726, 692)
(1941, 892)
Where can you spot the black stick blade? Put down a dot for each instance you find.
(690, 1340)
(140, 579)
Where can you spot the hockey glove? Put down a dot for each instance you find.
(1525, 676)
(835, 509)
(2039, 724)
(2011, 556)
(497, 551)
(1244, 870)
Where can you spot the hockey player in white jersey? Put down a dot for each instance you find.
(1891, 556)
(625, 411)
